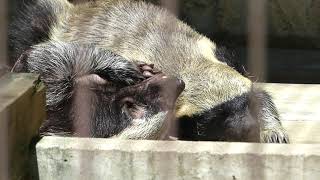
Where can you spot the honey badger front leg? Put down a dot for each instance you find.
(264, 108)
(84, 99)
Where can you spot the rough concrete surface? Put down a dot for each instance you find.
(83, 158)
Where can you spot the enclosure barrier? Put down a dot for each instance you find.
(22, 110)
(95, 159)
(23, 106)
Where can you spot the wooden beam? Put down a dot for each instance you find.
(22, 110)
(303, 132)
(3, 63)
(296, 102)
(299, 106)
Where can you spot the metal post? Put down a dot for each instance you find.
(171, 5)
(257, 38)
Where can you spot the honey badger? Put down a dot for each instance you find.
(218, 102)
(92, 92)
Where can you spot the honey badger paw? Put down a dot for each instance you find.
(129, 73)
(275, 135)
(148, 70)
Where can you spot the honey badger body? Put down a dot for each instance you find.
(215, 104)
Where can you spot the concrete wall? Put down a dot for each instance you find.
(81, 158)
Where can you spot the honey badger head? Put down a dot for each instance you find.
(216, 103)
(93, 92)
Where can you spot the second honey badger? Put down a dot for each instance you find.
(92, 92)
(218, 103)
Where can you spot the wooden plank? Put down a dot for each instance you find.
(3, 63)
(85, 158)
(303, 132)
(22, 111)
(296, 102)
(298, 105)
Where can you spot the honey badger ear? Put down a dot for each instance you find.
(91, 79)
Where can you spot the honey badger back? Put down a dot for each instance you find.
(216, 102)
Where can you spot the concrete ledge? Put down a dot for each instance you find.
(84, 158)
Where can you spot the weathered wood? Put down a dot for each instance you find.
(82, 158)
(22, 110)
(3, 32)
(296, 102)
(298, 105)
(306, 132)
(3, 63)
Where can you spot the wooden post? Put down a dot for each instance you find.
(3, 62)
(22, 110)
(3, 32)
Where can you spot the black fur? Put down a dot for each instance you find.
(230, 121)
(31, 25)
